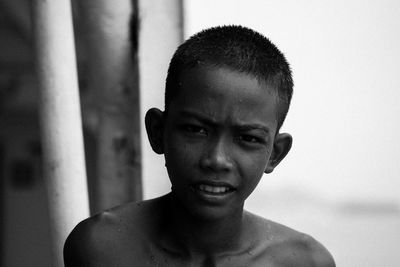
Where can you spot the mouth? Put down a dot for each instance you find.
(213, 188)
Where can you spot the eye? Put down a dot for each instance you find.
(247, 138)
(194, 129)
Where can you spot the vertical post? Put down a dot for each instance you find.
(2, 202)
(161, 31)
(113, 81)
(59, 110)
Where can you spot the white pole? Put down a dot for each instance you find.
(59, 110)
(161, 31)
(113, 81)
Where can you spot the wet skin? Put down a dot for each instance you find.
(218, 137)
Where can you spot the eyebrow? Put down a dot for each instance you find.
(255, 126)
(209, 121)
(198, 116)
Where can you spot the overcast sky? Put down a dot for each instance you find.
(344, 114)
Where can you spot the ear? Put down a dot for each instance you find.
(154, 121)
(282, 145)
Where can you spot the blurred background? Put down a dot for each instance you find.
(340, 182)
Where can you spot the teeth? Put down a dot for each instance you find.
(213, 189)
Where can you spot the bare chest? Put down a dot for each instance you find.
(148, 255)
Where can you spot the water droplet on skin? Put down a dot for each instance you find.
(153, 259)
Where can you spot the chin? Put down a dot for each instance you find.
(207, 210)
(208, 214)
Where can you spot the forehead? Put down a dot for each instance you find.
(207, 76)
(221, 92)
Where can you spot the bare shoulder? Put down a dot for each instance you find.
(284, 246)
(82, 246)
(303, 250)
(97, 240)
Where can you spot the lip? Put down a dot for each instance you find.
(212, 191)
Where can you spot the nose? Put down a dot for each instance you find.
(217, 157)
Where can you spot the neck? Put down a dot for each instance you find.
(204, 236)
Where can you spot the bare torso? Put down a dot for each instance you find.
(139, 235)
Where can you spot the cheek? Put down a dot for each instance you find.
(254, 165)
(253, 173)
(179, 156)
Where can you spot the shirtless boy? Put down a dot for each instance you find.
(228, 90)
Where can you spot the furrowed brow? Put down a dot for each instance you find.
(198, 116)
(239, 127)
(250, 127)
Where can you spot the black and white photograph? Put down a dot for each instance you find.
(199, 133)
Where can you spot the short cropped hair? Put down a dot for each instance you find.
(238, 48)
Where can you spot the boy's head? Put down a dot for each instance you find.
(240, 49)
(228, 91)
